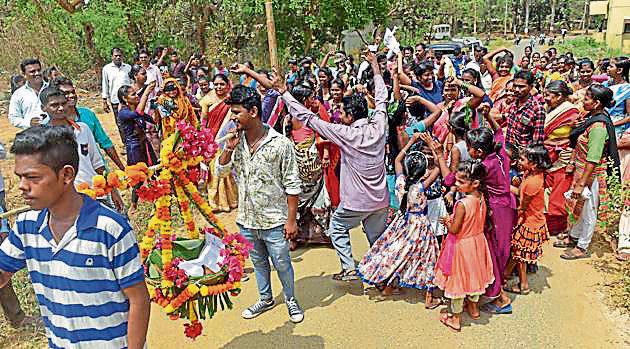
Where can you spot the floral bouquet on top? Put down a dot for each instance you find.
(190, 276)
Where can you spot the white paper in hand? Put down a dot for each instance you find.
(208, 257)
(390, 41)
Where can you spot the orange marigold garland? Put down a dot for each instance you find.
(182, 296)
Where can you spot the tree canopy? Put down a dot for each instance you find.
(79, 34)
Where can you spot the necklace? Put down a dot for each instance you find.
(253, 147)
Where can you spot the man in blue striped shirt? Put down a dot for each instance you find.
(82, 257)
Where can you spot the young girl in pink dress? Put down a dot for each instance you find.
(464, 267)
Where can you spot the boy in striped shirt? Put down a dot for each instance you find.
(82, 257)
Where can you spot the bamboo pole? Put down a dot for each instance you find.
(271, 34)
(14, 212)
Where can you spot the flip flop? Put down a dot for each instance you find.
(434, 305)
(563, 244)
(623, 257)
(450, 327)
(570, 256)
(492, 308)
(516, 290)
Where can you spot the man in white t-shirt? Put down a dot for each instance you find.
(24, 108)
(90, 161)
(115, 75)
(153, 72)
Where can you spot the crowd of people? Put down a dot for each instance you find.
(458, 167)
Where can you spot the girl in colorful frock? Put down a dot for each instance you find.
(407, 250)
(464, 268)
(531, 229)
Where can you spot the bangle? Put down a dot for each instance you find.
(465, 85)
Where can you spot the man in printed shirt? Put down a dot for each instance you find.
(364, 195)
(82, 257)
(526, 116)
(267, 172)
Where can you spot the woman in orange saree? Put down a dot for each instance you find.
(222, 191)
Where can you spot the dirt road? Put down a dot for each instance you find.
(564, 309)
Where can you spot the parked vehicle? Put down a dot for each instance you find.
(446, 48)
(441, 31)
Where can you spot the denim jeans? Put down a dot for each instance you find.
(270, 243)
(339, 231)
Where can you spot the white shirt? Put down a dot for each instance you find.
(113, 78)
(486, 81)
(154, 74)
(89, 157)
(24, 106)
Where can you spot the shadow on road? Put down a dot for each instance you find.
(280, 337)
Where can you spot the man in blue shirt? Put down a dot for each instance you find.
(459, 60)
(82, 257)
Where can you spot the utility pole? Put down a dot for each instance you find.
(526, 17)
(271, 34)
(475, 17)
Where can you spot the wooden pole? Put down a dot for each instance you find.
(271, 34)
(14, 212)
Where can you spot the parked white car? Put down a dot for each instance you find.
(441, 31)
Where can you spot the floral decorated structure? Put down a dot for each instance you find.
(172, 187)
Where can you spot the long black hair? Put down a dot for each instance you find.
(458, 125)
(483, 139)
(538, 154)
(415, 166)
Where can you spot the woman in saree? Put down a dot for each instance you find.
(562, 116)
(331, 155)
(222, 191)
(173, 106)
(501, 74)
(595, 156)
(315, 206)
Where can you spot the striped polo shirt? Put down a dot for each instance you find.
(78, 281)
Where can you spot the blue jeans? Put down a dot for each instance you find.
(374, 224)
(270, 243)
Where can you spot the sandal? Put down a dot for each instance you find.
(444, 321)
(564, 244)
(516, 290)
(570, 255)
(346, 275)
(434, 304)
(492, 308)
(562, 236)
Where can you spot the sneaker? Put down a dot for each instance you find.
(258, 308)
(296, 314)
